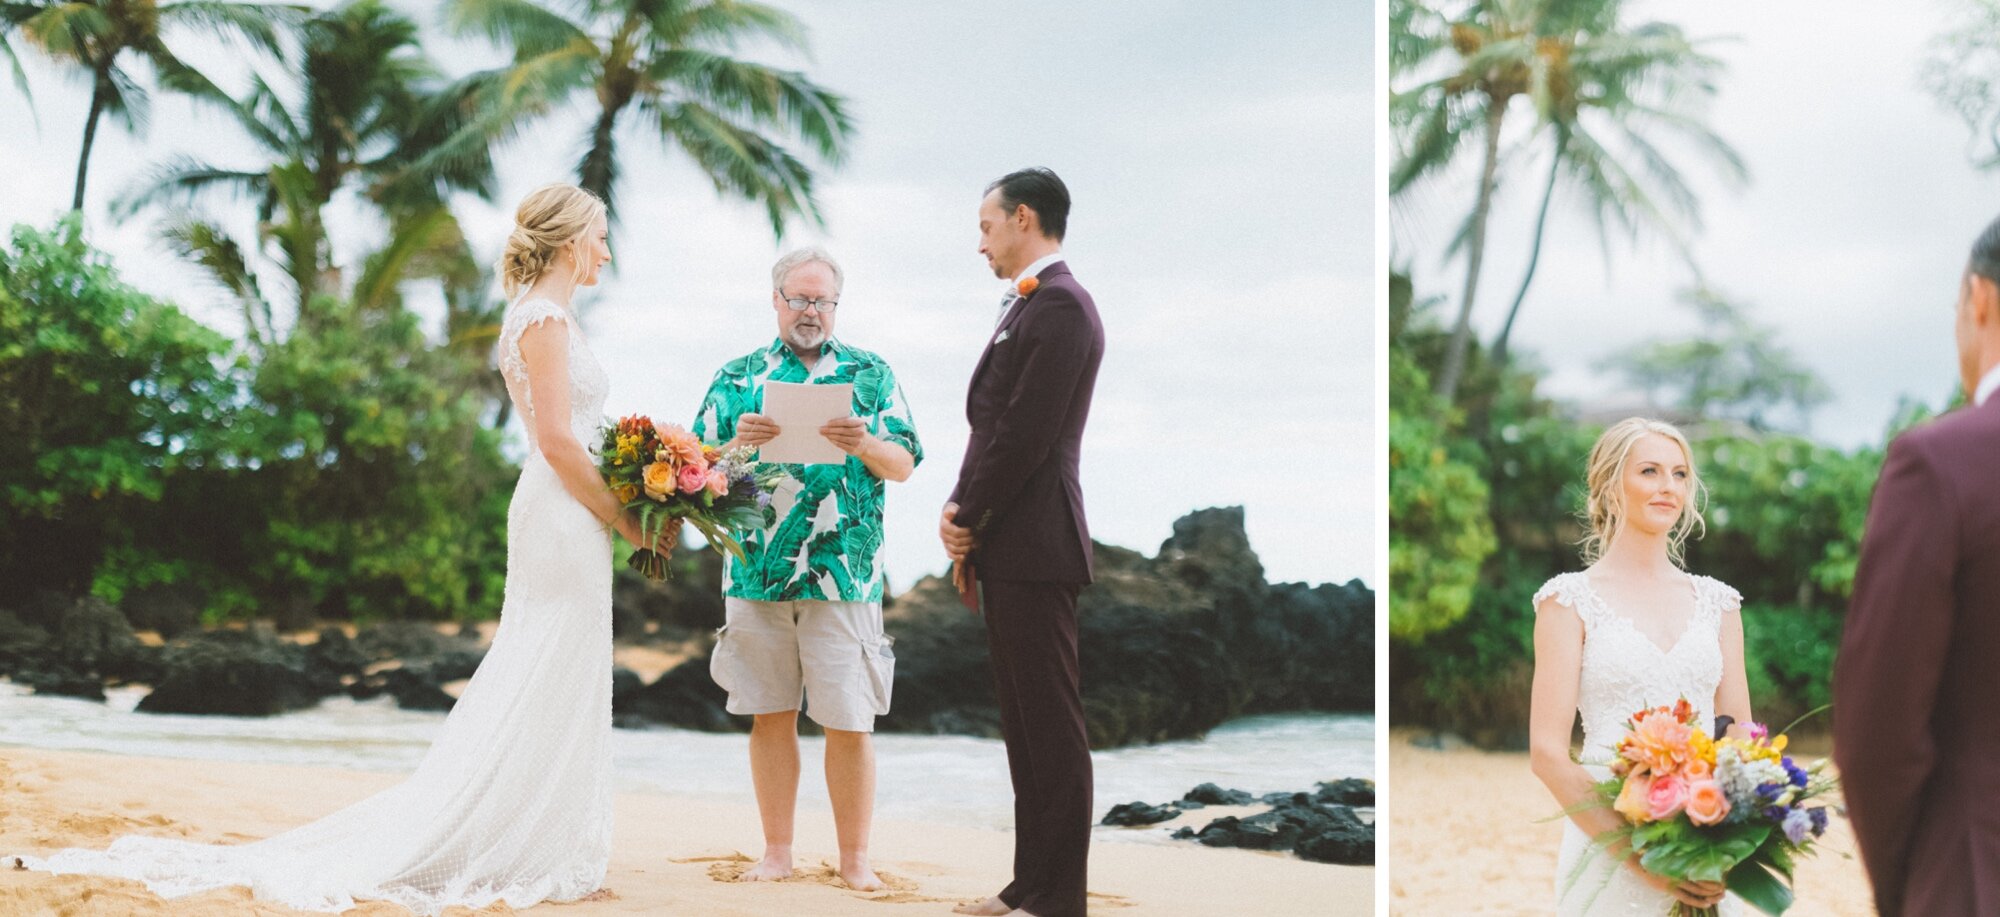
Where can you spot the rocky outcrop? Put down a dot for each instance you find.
(239, 672)
(1171, 646)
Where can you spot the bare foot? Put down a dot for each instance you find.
(602, 894)
(776, 864)
(859, 877)
(991, 907)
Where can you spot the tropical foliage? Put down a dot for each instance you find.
(1609, 99)
(1784, 523)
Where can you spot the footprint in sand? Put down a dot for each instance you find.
(1108, 902)
(899, 891)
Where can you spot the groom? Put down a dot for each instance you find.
(1914, 732)
(1016, 521)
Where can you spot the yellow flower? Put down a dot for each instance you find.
(625, 492)
(659, 478)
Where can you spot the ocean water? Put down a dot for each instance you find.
(951, 779)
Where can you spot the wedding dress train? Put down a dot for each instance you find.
(512, 802)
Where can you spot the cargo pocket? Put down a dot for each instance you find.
(881, 668)
(722, 661)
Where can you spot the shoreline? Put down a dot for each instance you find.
(671, 852)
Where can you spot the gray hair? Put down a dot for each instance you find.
(800, 257)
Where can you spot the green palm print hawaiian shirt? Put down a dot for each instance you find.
(829, 519)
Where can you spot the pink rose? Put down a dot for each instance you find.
(718, 483)
(1706, 805)
(693, 478)
(1666, 797)
(1632, 799)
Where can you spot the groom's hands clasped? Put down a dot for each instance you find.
(958, 540)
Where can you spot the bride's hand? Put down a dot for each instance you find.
(1693, 894)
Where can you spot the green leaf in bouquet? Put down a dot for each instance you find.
(1681, 851)
(1753, 882)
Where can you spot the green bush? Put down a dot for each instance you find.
(343, 471)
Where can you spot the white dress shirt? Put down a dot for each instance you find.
(1031, 270)
(1987, 384)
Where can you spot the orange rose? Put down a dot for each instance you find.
(659, 478)
(1706, 804)
(1697, 769)
(1027, 285)
(1632, 800)
(718, 483)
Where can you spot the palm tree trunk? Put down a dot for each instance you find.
(1461, 333)
(100, 96)
(1534, 251)
(599, 168)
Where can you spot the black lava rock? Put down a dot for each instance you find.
(1210, 794)
(1136, 814)
(238, 672)
(1350, 792)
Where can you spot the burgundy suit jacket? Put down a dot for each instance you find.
(1018, 489)
(1916, 686)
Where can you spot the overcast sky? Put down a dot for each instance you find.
(1223, 217)
(1849, 239)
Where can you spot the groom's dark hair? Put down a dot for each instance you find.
(1986, 253)
(1042, 191)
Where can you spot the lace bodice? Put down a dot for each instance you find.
(1624, 671)
(588, 385)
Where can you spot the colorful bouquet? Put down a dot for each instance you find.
(1699, 809)
(663, 473)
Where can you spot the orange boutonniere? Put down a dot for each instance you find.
(1027, 286)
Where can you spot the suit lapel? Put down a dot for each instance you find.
(1014, 317)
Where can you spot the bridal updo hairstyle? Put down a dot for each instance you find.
(1604, 509)
(550, 217)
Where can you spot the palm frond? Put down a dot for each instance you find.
(740, 161)
(262, 24)
(208, 245)
(530, 29)
(185, 179)
(61, 30)
(725, 23)
(767, 95)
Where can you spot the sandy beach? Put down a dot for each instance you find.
(1467, 838)
(672, 855)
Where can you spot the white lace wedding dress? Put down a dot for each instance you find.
(513, 800)
(1624, 672)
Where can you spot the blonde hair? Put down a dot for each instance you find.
(550, 217)
(1604, 507)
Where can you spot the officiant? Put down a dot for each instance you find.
(804, 613)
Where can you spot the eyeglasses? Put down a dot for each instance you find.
(823, 306)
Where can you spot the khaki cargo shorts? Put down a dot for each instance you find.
(833, 654)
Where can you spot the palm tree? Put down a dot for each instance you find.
(371, 109)
(1590, 79)
(95, 35)
(667, 63)
(1616, 89)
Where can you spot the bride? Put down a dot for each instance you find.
(512, 802)
(1631, 631)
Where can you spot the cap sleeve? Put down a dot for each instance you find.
(1570, 591)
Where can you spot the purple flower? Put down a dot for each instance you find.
(1769, 791)
(763, 501)
(1818, 821)
(1798, 774)
(1776, 813)
(1797, 824)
